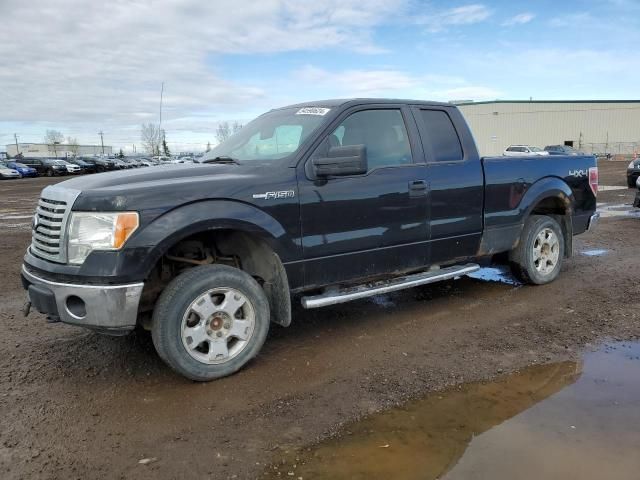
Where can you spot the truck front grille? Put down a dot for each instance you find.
(50, 223)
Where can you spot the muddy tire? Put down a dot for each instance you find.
(210, 321)
(538, 257)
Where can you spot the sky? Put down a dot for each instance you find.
(83, 67)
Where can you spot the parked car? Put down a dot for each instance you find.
(317, 203)
(133, 162)
(45, 166)
(102, 164)
(523, 151)
(72, 168)
(22, 169)
(562, 150)
(633, 172)
(7, 173)
(86, 167)
(147, 162)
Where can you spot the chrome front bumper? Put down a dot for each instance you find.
(109, 308)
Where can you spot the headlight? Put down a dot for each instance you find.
(98, 231)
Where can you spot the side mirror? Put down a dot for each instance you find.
(340, 161)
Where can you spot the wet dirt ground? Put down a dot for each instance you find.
(74, 404)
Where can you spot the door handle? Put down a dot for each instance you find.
(417, 188)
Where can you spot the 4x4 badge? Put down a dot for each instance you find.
(273, 195)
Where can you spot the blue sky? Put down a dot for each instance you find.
(85, 67)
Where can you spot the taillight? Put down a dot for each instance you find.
(593, 180)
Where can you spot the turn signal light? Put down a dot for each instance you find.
(126, 224)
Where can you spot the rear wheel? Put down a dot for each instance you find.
(631, 182)
(50, 172)
(538, 257)
(210, 321)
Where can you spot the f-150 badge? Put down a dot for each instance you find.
(274, 195)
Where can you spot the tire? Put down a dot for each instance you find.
(631, 183)
(191, 334)
(50, 173)
(538, 257)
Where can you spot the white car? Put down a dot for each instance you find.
(6, 172)
(523, 151)
(71, 168)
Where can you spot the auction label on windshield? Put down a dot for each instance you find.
(313, 111)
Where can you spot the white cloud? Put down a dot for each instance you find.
(519, 19)
(93, 65)
(394, 83)
(465, 15)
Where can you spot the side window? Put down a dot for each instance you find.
(441, 135)
(382, 132)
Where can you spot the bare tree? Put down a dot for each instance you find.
(151, 137)
(72, 145)
(223, 131)
(53, 138)
(208, 147)
(237, 126)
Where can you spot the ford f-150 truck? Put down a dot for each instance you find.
(320, 203)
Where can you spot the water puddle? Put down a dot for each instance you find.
(557, 421)
(495, 274)
(596, 252)
(620, 210)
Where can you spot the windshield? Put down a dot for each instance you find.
(535, 149)
(271, 136)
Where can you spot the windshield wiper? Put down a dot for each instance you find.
(222, 159)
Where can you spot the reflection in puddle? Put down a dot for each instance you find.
(495, 274)
(564, 420)
(596, 252)
(620, 210)
(382, 301)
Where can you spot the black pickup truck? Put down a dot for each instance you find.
(320, 203)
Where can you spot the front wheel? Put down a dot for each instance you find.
(538, 257)
(210, 321)
(50, 173)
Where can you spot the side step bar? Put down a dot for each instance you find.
(362, 291)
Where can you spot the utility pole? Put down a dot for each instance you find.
(15, 135)
(161, 94)
(101, 141)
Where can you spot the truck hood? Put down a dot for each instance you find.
(163, 187)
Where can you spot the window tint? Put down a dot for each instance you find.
(382, 132)
(441, 136)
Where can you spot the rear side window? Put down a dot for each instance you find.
(441, 136)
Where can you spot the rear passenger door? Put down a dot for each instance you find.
(456, 186)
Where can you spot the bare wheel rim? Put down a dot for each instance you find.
(546, 251)
(218, 325)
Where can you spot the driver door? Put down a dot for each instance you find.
(367, 225)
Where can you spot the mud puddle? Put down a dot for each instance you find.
(557, 421)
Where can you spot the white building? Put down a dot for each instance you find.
(40, 150)
(593, 126)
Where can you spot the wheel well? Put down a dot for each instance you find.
(560, 209)
(230, 247)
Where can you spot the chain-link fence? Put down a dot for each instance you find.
(613, 149)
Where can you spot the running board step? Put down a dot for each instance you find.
(367, 290)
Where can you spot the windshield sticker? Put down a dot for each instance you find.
(313, 111)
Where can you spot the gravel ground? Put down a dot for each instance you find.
(74, 404)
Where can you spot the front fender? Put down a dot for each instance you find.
(163, 232)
